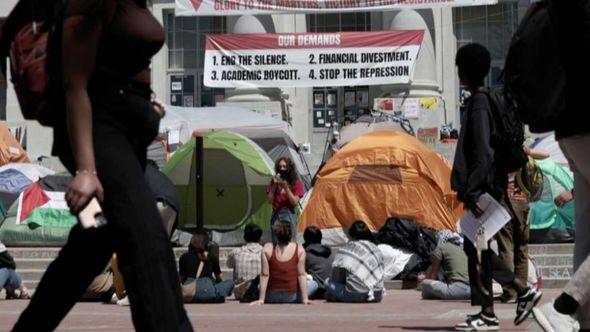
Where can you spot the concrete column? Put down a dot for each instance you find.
(424, 81)
(251, 24)
(446, 47)
(159, 68)
(298, 101)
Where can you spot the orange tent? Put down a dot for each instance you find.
(10, 150)
(379, 175)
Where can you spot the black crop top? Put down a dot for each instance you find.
(132, 34)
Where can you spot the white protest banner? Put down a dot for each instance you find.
(311, 59)
(257, 7)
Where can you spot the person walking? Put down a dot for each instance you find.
(284, 192)
(476, 172)
(572, 129)
(101, 135)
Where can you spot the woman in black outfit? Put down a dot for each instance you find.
(106, 50)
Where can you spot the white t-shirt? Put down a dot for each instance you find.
(394, 260)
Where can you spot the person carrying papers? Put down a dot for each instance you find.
(481, 184)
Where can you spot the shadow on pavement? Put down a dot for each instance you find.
(418, 328)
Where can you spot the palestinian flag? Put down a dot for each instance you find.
(44, 204)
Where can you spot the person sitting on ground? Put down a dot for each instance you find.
(210, 286)
(9, 279)
(319, 258)
(452, 259)
(283, 278)
(102, 288)
(108, 287)
(357, 270)
(246, 263)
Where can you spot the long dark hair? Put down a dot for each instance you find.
(291, 173)
(360, 231)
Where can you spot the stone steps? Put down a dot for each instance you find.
(555, 262)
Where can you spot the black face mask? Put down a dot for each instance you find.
(284, 174)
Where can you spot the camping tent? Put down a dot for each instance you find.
(277, 144)
(15, 178)
(12, 183)
(549, 223)
(40, 216)
(236, 173)
(272, 135)
(10, 150)
(219, 118)
(366, 124)
(379, 175)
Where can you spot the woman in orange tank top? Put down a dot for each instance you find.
(283, 278)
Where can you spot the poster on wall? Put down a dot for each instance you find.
(428, 136)
(386, 105)
(257, 7)
(411, 108)
(311, 59)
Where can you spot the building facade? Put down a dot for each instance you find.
(177, 69)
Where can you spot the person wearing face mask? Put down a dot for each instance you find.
(284, 192)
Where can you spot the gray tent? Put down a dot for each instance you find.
(278, 144)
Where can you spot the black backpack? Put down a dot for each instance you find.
(507, 132)
(534, 70)
(406, 234)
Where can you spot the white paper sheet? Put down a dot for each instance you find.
(412, 108)
(493, 219)
(174, 137)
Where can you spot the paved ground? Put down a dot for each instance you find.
(401, 310)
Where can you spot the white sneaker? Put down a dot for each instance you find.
(124, 301)
(553, 321)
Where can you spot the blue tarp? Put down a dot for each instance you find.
(12, 183)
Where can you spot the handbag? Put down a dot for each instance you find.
(189, 289)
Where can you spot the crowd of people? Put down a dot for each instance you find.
(104, 118)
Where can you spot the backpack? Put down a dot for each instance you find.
(406, 234)
(534, 70)
(34, 32)
(530, 180)
(507, 133)
(35, 27)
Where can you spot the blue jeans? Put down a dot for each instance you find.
(336, 292)
(207, 291)
(284, 214)
(9, 278)
(435, 289)
(288, 297)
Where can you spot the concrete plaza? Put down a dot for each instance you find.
(401, 310)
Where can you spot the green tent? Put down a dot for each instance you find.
(236, 173)
(550, 223)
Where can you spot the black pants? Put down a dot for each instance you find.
(491, 267)
(124, 123)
